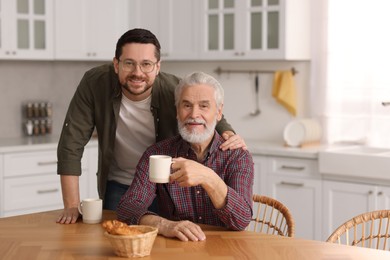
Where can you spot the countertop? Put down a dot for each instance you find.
(256, 147)
(33, 143)
(274, 148)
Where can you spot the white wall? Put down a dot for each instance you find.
(21, 81)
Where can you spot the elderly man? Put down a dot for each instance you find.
(207, 185)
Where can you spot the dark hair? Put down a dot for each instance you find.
(138, 36)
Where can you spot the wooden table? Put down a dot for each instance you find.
(38, 236)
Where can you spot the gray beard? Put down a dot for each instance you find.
(196, 138)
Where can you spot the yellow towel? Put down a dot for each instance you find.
(284, 91)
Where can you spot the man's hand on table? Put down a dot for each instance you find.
(183, 230)
(68, 216)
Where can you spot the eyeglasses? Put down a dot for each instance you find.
(145, 66)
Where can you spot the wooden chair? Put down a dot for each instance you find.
(271, 217)
(369, 230)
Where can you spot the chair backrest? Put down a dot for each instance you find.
(369, 230)
(271, 217)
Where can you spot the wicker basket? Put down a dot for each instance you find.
(134, 246)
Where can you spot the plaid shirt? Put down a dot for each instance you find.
(177, 203)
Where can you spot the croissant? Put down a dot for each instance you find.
(116, 227)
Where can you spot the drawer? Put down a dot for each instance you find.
(31, 163)
(32, 192)
(293, 166)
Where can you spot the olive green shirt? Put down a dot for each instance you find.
(96, 104)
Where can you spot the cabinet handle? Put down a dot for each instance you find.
(47, 191)
(291, 184)
(295, 168)
(380, 193)
(370, 192)
(239, 53)
(46, 163)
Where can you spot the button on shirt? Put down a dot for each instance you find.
(177, 203)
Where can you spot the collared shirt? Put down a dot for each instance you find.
(96, 104)
(234, 167)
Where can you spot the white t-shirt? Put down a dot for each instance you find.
(135, 132)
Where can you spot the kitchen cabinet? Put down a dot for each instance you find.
(345, 200)
(29, 180)
(93, 156)
(174, 22)
(255, 30)
(260, 176)
(26, 29)
(297, 184)
(1, 178)
(88, 29)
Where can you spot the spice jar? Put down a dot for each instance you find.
(29, 127)
(42, 127)
(42, 109)
(29, 110)
(36, 127)
(49, 110)
(49, 126)
(36, 109)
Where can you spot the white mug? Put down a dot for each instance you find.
(159, 168)
(91, 210)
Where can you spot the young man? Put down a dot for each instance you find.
(131, 105)
(207, 185)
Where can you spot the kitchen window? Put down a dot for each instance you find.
(351, 72)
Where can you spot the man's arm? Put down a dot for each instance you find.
(188, 173)
(231, 200)
(71, 199)
(76, 132)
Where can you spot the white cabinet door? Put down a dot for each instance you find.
(89, 29)
(255, 30)
(180, 29)
(30, 183)
(221, 32)
(32, 194)
(1, 186)
(343, 201)
(174, 22)
(260, 178)
(296, 183)
(26, 29)
(302, 196)
(93, 154)
(383, 199)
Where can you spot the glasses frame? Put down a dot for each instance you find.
(137, 64)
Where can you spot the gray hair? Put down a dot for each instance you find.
(197, 78)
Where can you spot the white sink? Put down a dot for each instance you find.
(359, 161)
